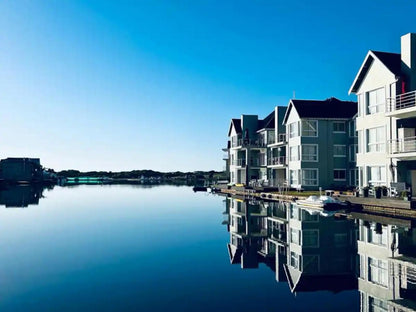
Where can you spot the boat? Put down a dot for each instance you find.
(199, 189)
(322, 202)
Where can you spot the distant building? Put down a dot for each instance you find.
(321, 143)
(21, 170)
(386, 123)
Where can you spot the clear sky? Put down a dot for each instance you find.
(122, 85)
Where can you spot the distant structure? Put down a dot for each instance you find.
(21, 170)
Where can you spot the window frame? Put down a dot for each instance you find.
(339, 170)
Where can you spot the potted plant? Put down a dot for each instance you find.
(357, 192)
(384, 190)
(377, 192)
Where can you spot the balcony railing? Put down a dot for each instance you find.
(404, 145)
(239, 162)
(250, 143)
(281, 138)
(257, 162)
(277, 161)
(401, 101)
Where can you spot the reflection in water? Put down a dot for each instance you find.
(310, 252)
(13, 196)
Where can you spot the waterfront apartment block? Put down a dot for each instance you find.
(321, 143)
(248, 140)
(306, 145)
(385, 86)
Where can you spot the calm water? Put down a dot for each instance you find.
(125, 248)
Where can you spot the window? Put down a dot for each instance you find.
(294, 236)
(339, 174)
(310, 238)
(376, 140)
(340, 151)
(294, 176)
(294, 153)
(339, 126)
(378, 305)
(360, 98)
(293, 129)
(354, 177)
(309, 152)
(352, 128)
(294, 212)
(360, 141)
(376, 101)
(376, 173)
(377, 271)
(307, 217)
(310, 177)
(310, 128)
(310, 263)
(377, 238)
(294, 260)
(353, 152)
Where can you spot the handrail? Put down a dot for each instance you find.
(401, 101)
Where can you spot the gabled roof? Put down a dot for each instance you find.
(392, 61)
(267, 122)
(331, 108)
(236, 123)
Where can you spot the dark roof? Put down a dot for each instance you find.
(267, 122)
(329, 108)
(237, 125)
(391, 60)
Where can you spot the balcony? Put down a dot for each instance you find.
(403, 148)
(239, 163)
(281, 139)
(253, 143)
(258, 162)
(277, 161)
(402, 106)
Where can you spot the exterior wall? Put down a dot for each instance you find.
(377, 77)
(326, 162)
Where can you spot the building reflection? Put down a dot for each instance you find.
(312, 252)
(20, 196)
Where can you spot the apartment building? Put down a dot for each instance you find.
(248, 137)
(321, 143)
(385, 86)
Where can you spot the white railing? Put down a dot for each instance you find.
(401, 101)
(404, 145)
(239, 162)
(276, 161)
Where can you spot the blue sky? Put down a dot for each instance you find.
(122, 85)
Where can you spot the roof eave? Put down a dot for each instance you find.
(360, 75)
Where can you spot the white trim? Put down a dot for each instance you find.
(317, 153)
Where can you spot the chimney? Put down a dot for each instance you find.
(408, 56)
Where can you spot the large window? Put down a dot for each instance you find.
(376, 101)
(353, 152)
(309, 152)
(340, 175)
(293, 129)
(310, 128)
(376, 174)
(310, 177)
(376, 140)
(378, 271)
(294, 260)
(377, 238)
(339, 126)
(294, 176)
(294, 153)
(352, 128)
(310, 238)
(340, 151)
